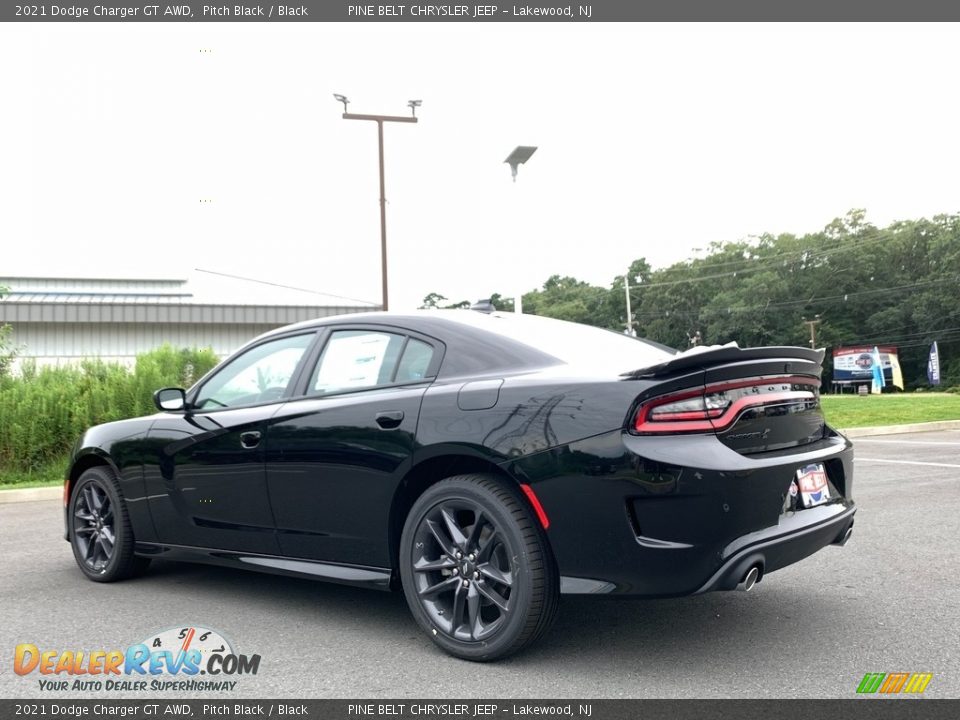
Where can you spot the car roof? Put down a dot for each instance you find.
(473, 345)
(489, 344)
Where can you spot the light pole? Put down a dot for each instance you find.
(515, 159)
(380, 120)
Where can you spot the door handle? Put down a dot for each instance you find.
(389, 419)
(250, 439)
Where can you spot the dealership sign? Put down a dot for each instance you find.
(856, 363)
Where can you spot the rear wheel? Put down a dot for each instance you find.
(100, 531)
(476, 568)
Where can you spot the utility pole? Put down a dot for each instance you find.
(626, 289)
(812, 324)
(380, 120)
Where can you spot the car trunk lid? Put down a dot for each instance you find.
(754, 399)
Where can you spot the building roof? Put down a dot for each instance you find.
(98, 298)
(102, 300)
(104, 310)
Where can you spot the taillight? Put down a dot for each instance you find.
(715, 407)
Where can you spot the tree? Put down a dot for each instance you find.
(502, 304)
(567, 298)
(885, 286)
(615, 308)
(433, 302)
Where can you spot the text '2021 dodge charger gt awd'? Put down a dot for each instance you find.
(481, 463)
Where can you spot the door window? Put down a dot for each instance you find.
(357, 359)
(261, 374)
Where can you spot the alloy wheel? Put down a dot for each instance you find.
(94, 527)
(462, 573)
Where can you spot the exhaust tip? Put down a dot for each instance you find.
(750, 579)
(846, 536)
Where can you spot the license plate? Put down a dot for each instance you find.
(812, 484)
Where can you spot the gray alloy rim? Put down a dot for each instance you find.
(93, 527)
(462, 572)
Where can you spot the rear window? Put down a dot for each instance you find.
(574, 344)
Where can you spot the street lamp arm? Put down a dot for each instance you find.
(380, 118)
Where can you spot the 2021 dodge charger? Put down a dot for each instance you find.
(482, 463)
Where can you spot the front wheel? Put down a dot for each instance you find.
(100, 531)
(476, 568)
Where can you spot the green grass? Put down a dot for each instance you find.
(49, 474)
(847, 411)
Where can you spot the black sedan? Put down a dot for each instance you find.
(482, 463)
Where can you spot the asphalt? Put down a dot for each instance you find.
(886, 602)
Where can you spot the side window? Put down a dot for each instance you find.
(415, 361)
(261, 374)
(357, 359)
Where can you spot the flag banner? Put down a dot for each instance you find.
(895, 371)
(876, 368)
(933, 365)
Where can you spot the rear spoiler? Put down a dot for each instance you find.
(702, 359)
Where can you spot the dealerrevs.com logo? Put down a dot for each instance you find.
(171, 660)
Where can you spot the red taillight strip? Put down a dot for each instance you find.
(730, 416)
(710, 421)
(643, 422)
(537, 507)
(688, 415)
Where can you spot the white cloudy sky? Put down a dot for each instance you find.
(653, 140)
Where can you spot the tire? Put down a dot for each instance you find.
(510, 596)
(100, 531)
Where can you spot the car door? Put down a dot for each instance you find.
(336, 455)
(205, 468)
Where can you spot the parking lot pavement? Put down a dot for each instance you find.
(886, 602)
(936, 449)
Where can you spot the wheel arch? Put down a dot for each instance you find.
(429, 472)
(86, 459)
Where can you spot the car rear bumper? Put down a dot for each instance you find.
(680, 515)
(781, 550)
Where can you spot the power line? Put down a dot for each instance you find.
(791, 303)
(907, 327)
(810, 255)
(924, 339)
(852, 243)
(927, 343)
(286, 287)
(909, 336)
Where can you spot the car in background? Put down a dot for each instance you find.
(481, 463)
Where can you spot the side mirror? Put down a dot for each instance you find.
(170, 399)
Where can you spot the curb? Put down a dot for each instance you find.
(56, 492)
(31, 494)
(898, 429)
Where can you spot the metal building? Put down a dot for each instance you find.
(63, 320)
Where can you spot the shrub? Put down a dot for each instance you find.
(7, 352)
(43, 411)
